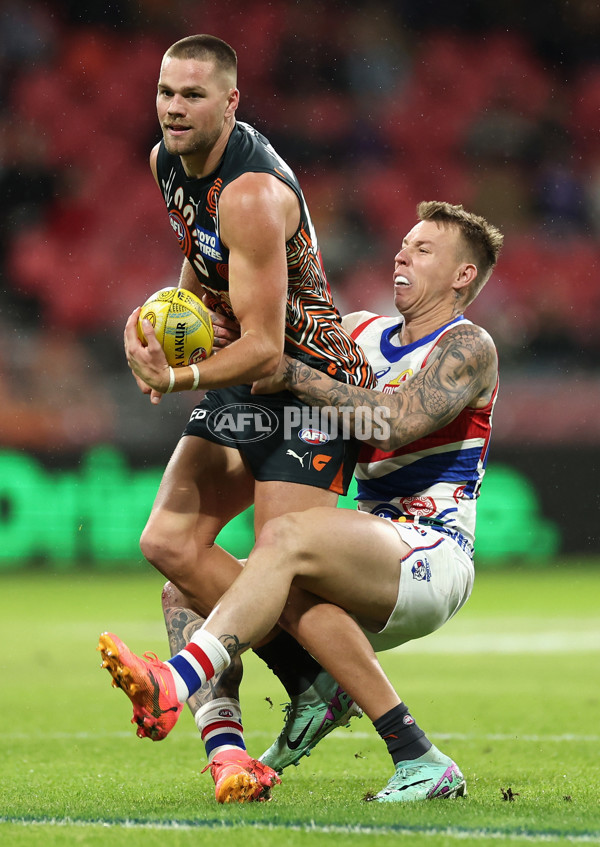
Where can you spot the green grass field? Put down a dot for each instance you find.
(510, 689)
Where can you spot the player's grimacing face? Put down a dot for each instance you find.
(193, 101)
(426, 265)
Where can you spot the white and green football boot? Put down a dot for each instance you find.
(309, 718)
(430, 776)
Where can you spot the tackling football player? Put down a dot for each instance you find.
(401, 566)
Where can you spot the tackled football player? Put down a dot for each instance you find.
(251, 253)
(403, 565)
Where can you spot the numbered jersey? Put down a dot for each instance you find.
(438, 476)
(313, 326)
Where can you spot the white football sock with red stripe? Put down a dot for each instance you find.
(199, 661)
(220, 724)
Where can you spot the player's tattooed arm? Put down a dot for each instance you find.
(461, 371)
(181, 624)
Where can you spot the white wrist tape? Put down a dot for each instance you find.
(196, 371)
(171, 380)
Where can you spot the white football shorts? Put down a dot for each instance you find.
(436, 579)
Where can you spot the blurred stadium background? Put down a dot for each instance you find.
(376, 105)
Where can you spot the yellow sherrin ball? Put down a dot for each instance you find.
(182, 325)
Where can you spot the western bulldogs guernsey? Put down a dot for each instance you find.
(438, 476)
(313, 326)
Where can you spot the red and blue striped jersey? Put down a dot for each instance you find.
(438, 476)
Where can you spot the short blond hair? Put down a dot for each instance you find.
(206, 48)
(482, 241)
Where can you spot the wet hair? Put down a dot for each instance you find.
(206, 48)
(481, 240)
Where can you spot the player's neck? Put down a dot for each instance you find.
(420, 326)
(203, 163)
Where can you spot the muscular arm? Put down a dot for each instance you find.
(258, 213)
(255, 213)
(462, 371)
(189, 280)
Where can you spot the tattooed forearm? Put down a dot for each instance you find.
(308, 384)
(461, 369)
(317, 389)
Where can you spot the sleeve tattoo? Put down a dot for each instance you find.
(461, 368)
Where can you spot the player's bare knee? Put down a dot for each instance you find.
(163, 552)
(172, 597)
(149, 547)
(285, 538)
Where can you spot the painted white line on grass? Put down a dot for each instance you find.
(510, 643)
(459, 833)
(347, 733)
(499, 634)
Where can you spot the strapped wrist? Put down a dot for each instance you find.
(196, 372)
(171, 380)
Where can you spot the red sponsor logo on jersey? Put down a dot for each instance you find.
(422, 506)
(459, 493)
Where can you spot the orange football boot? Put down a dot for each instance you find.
(148, 683)
(241, 779)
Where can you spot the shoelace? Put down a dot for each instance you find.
(407, 772)
(287, 709)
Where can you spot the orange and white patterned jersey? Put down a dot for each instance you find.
(314, 331)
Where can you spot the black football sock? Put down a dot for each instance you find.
(290, 662)
(403, 737)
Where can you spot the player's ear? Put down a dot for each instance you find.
(233, 99)
(465, 275)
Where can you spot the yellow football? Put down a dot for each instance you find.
(182, 325)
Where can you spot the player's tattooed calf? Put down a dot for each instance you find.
(233, 645)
